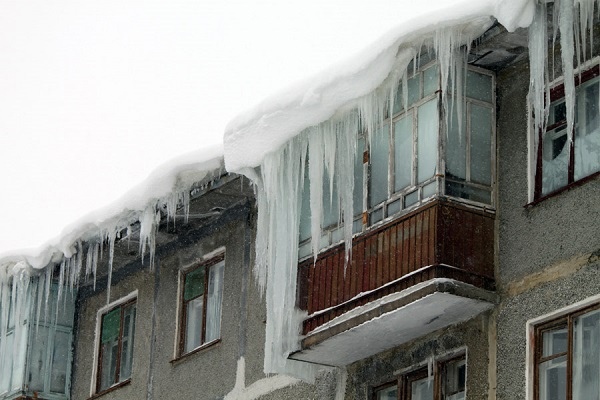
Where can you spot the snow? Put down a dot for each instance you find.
(167, 184)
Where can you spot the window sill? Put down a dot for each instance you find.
(200, 349)
(563, 189)
(110, 389)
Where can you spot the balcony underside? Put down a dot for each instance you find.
(393, 320)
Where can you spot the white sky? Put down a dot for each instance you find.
(94, 94)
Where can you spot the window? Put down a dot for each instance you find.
(444, 380)
(415, 155)
(201, 300)
(567, 356)
(117, 330)
(560, 163)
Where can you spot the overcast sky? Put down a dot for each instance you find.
(95, 94)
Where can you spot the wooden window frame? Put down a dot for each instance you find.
(118, 383)
(207, 265)
(404, 381)
(557, 93)
(565, 321)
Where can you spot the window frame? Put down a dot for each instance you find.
(438, 372)
(130, 299)
(562, 319)
(182, 305)
(583, 74)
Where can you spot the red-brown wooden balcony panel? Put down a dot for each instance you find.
(442, 239)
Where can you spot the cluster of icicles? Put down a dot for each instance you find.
(332, 145)
(24, 289)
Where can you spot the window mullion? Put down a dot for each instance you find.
(414, 147)
(119, 345)
(569, 358)
(467, 139)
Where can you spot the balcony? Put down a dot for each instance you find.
(427, 269)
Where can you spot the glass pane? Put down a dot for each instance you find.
(60, 359)
(398, 99)
(456, 148)
(481, 144)
(358, 177)
(331, 208)
(587, 131)
(194, 284)
(193, 324)
(427, 140)
(394, 207)
(304, 250)
(555, 160)
(7, 363)
(455, 379)
(111, 323)
(376, 216)
(378, 184)
(479, 86)
(430, 189)
(305, 210)
(553, 379)
(422, 389)
(468, 192)
(357, 225)
(554, 342)
(414, 89)
(389, 393)
(431, 80)
(411, 198)
(213, 302)
(37, 364)
(586, 356)
(403, 152)
(127, 343)
(108, 353)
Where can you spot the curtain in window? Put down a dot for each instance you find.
(214, 300)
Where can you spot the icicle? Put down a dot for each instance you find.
(148, 226)
(315, 173)
(565, 21)
(111, 254)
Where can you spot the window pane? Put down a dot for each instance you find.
(479, 86)
(37, 365)
(427, 140)
(331, 208)
(586, 356)
(60, 359)
(378, 185)
(555, 160)
(127, 343)
(454, 381)
(193, 327)
(414, 89)
(389, 393)
(214, 300)
(109, 351)
(194, 284)
(553, 379)
(305, 210)
(422, 389)
(403, 152)
(587, 131)
(431, 80)
(358, 177)
(481, 144)
(554, 342)
(456, 148)
(111, 322)
(7, 363)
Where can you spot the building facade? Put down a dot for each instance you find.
(437, 241)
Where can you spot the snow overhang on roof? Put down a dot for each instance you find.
(165, 188)
(279, 118)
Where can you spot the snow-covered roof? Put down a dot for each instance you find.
(166, 186)
(266, 127)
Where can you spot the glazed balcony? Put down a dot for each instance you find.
(423, 271)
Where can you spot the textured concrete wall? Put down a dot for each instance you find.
(548, 252)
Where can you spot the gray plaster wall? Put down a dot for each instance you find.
(547, 252)
(472, 337)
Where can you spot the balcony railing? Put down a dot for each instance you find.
(442, 239)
